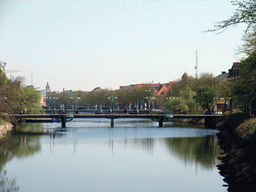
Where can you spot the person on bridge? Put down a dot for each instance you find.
(126, 110)
(135, 110)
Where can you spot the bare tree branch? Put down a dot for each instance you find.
(245, 13)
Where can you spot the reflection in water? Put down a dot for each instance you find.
(7, 184)
(203, 150)
(144, 144)
(30, 127)
(18, 146)
(118, 159)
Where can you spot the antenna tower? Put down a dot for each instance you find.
(196, 64)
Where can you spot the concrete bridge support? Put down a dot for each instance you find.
(63, 121)
(112, 122)
(210, 122)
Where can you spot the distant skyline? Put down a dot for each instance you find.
(84, 44)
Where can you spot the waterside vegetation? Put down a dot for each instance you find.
(15, 98)
(237, 136)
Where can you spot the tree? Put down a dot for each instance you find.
(205, 96)
(245, 84)
(14, 96)
(245, 13)
(187, 96)
(3, 78)
(249, 39)
(32, 101)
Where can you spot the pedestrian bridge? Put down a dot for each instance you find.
(161, 118)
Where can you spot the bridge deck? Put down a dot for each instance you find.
(156, 117)
(114, 115)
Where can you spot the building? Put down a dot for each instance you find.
(159, 89)
(43, 97)
(223, 76)
(233, 72)
(48, 90)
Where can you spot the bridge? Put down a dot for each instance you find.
(161, 118)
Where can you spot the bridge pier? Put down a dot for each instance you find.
(112, 122)
(63, 124)
(161, 123)
(210, 122)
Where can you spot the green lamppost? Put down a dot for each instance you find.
(52, 99)
(149, 103)
(112, 101)
(74, 99)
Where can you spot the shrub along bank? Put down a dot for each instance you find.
(237, 139)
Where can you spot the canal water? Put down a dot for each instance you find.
(135, 155)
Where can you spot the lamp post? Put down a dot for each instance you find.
(172, 101)
(149, 105)
(149, 98)
(52, 99)
(112, 101)
(74, 99)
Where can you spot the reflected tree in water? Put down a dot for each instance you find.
(7, 184)
(18, 146)
(31, 128)
(203, 150)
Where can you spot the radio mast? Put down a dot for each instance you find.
(196, 64)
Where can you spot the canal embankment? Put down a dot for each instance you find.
(237, 140)
(7, 124)
(5, 127)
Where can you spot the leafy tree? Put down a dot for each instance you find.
(174, 104)
(245, 85)
(32, 101)
(3, 78)
(245, 13)
(249, 45)
(224, 88)
(187, 96)
(14, 97)
(205, 96)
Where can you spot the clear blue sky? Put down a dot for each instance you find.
(83, 44)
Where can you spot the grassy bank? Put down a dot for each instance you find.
(237, 139)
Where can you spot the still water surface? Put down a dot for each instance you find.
(134, 156)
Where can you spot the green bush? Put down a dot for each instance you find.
(234, 120)
(247, 129)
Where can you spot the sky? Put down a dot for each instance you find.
(83, 44)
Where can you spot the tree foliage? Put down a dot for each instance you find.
(249, 45)
(205, 95)
(14, 98)
(187, 96)
(245, 13)
(32, 101)
(245, 85)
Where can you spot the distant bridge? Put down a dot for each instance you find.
(63, 118)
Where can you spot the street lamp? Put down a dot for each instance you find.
(112, 101)
(51, 102)
(172, 101)
(149, 105)
(74, 103)
(149, 98)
